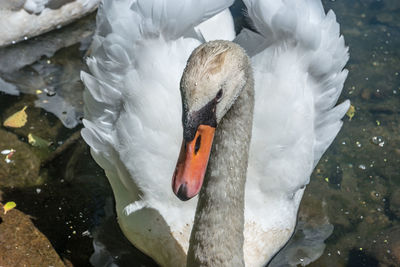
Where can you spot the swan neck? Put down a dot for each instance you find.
(217, 234)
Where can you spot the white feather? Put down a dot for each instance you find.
(33, 18)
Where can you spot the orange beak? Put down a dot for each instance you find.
(192, 163)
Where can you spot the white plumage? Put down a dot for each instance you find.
(20, 20)
(133, 112)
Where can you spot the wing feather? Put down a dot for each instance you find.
(133, 111)
(298, 57)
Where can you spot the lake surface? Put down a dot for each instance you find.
(350, 213)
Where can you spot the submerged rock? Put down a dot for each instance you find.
(23, 166)
(22, 244)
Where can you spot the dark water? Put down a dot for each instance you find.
(350, 212)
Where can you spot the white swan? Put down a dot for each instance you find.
(133, 113)
(23, 19)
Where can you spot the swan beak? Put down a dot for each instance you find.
(192, 163)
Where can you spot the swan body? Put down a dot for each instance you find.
(22, 19)
(133, 113)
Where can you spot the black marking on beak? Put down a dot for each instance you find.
(182, 193)
(197, 145)
(204, 116)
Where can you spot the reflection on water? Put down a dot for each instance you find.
(52, 76)
(350, 212)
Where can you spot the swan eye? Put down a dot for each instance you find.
(219, 95)
(197, 145)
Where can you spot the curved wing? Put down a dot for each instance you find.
(133, 113)
(298, 57)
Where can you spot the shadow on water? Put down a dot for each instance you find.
(359, 258)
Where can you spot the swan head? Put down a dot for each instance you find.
(215, 74)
